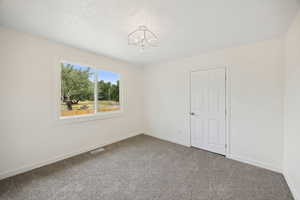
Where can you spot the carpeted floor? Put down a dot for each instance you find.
(145, 168)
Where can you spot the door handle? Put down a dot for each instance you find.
(191, 113)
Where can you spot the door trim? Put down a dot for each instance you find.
(227, 105)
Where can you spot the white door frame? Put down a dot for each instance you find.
(227, 104)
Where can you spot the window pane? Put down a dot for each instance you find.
(77, 90)
(108, 91)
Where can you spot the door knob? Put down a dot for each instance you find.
(191, 113)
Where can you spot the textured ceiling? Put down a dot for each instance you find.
(184, 27)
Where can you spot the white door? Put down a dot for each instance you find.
(208, 114)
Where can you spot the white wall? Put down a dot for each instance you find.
(30, 134)
(292, 108)
(256, 76)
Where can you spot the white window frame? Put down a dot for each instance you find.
(96, 114)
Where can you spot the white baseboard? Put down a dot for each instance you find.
(230, 156)
(292, 186)
(56, 159)
(84, 150)
(255, 163)
(167, 140)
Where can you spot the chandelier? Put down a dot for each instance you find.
(142, 38)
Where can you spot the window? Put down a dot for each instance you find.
(88, 91)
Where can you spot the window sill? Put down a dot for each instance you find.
(90, 117)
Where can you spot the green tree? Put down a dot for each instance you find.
(115, 92)
(75, 85)
(108, 91)
(102, 90)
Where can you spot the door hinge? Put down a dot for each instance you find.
(225, 146)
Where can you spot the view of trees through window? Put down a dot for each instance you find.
(85, 90)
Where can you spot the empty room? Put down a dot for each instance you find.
(149, 100)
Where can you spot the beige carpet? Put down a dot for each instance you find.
(145, 168)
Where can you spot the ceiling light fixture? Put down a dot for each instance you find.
(142, 38)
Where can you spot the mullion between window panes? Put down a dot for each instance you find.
(96, 93)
